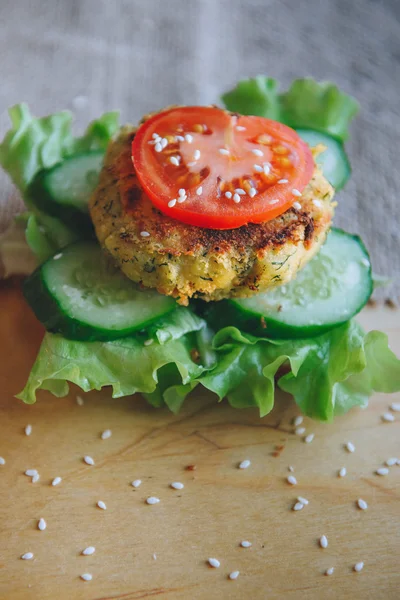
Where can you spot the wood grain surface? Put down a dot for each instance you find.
(161, 551)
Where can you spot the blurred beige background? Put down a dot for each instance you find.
(138, 55)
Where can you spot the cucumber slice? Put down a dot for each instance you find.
(333, 162)
(333, 287)
(64, 190)
(80, 294)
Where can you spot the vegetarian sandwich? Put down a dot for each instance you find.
(198, 249)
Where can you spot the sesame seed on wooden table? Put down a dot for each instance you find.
(214, 562)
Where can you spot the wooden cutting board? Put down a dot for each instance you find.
(161, 551)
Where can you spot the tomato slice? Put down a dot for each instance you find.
(208, 167)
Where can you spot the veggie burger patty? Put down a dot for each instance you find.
(186, 261)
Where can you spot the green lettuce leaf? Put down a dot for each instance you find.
(327, 375)
(126, 365)
(307, 104)
(34, 143)
(320, 106)
(258, 96)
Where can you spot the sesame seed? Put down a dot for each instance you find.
(154, 556)
(258, 168)
(240, 191)
(31, 472)
(102, 505)
(292, 480)
(2, 461)
(182, 192)
(283, 181)
(148, 342)
(155, 136)
(296, 205)
(189, 138)
(228, 194)
(88, 551)
(290, 468)
(274, 201)
(387, 417)
(164, 143)
(136, 483)
(317, 203)
(342, 472)
(266, 168)
(234, 575)
(177, 485)
(240, 128)
(296, 193)
(236, 198)
(144, 234)
(252, 192)
(191, 164)
(309, 438)
(79, 401)
(257, 152)
(362, 504)
(107, 433)
(302, 500)
(27, 556)
(298, 506)
(245, 464)
(300, 430)
(57, 256)
(35, 478)
(390, 462)
(298, 421)
(153, 500)
(42, 524)
(172, 203)
(358, 567)
(245, 544)
(382, 471)
(196, 154)
(323, 541)
(214, 562)
(28, 430)
(174, 161)
(350, 447)
(88, 460)
(395, 406)
(56, 481)
(223, 151)
(87, 577)
(179, 138)
(181, 199)
(158, 147)
(329, 571)
(199, 191)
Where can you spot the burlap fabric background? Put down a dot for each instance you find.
(139, 55)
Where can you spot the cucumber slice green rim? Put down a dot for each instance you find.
(79, 294)
(64, 190)
(333, 161)
(331, 289)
